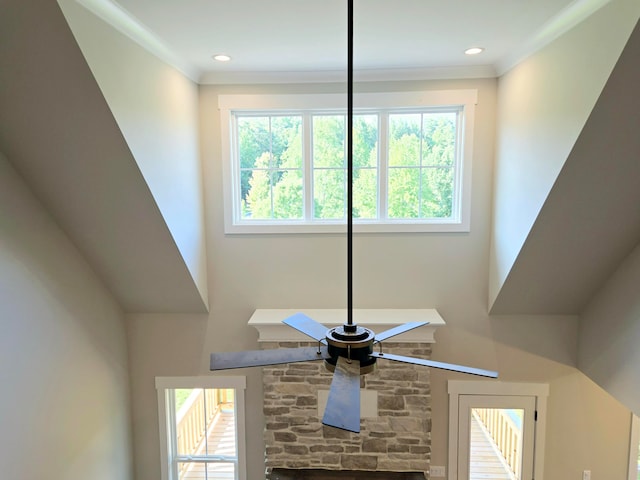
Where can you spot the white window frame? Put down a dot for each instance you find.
(229, 105)
(634, 445)
(456, 388)
(167, 446)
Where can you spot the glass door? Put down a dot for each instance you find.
(496, 437)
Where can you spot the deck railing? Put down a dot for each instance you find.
(506, 434)
(194, 418)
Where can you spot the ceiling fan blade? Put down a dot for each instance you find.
(307, 325)
(343, 405)
(433, 364)
(392, 332)
(258, 358)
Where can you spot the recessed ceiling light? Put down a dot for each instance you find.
(221, 57)
(474, 50)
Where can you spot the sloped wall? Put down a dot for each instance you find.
(609, 335)
(64, 407)
(156, 108)
(543, 103)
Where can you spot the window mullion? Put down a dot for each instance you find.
(383, 165)
(307, 166)
(421, 166)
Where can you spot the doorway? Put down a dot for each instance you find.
(494, 429)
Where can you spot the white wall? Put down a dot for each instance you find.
(543, 103)
(64, 407)
(609, 335)
(156, 108)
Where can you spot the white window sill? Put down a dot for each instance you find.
(270, 328)
(256, 228)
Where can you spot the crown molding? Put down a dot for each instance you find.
(125, 23)
(575, 13)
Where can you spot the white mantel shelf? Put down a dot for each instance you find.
(270, 328)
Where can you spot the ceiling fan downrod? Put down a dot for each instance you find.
(350, 327)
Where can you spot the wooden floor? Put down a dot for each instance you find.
(220, 441)
(485, 461)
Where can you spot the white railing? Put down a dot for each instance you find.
(506, 434)
(194, 418)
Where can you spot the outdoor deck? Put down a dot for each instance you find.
(221, 440)
(485, 461)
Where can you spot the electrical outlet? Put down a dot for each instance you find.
(435, 471)
(586, 475)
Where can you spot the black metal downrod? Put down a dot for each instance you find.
(350, 325)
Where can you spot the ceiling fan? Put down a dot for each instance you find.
(348, 350)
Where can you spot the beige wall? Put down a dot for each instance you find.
(610, 334)
(543, 103)
(156, 108)
(64, 407)
(444, 271)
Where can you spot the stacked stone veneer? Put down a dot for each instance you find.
(398, 439)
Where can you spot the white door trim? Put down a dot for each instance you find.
(633, 447)
(456, 388)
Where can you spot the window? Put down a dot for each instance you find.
(201, 427)
(285, 162)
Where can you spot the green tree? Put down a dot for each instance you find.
(421, 160)
(258, 200)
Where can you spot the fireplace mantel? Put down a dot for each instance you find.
(270, 328)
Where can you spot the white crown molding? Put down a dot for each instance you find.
(124, 22)
(270, 328)
(575, 13)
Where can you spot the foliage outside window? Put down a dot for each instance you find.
(202, 428)
(286, 162)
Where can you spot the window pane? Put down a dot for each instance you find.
(267, 147)
(205, 422)
(496, 443)
(329, 194)
(288, 195)
(328, 141)
(254, 140)
(365, 141)
(437, 193)
(404, 192)
(190, 420)
(221, 424)
(404, 139)
(439, 139)
(287, 141)
(365, 197)
(208, 471)
(257, 204)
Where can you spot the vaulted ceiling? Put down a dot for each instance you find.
(52, 107)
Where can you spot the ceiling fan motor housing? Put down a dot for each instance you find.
(353, 343)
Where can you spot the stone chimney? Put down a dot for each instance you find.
(395, 431)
